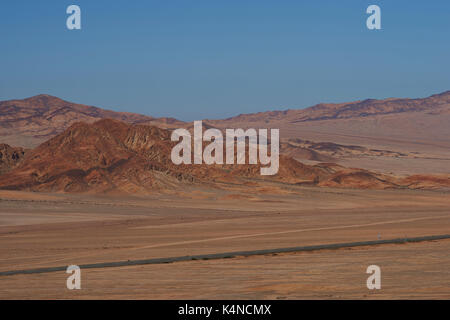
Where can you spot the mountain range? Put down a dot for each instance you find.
(53, 145)
(38, 118)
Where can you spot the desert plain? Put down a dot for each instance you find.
(48, 230)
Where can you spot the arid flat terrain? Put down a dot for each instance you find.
(411, 271)
(45, 230)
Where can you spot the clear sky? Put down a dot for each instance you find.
(201, 59)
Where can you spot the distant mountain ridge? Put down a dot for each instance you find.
(42, 117)
(35, 119)
(369, 107)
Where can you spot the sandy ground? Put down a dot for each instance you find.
(40, 230)
(411, 271)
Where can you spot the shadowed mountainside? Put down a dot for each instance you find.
(10, 157)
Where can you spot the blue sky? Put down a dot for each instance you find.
(213, 59)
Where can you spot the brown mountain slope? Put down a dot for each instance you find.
(110, 155)
(10, 157)
(426, 181)
(31, 121)
(97, 157)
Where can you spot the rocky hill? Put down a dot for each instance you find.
(113, 156)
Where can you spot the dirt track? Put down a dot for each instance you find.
(228, 255)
